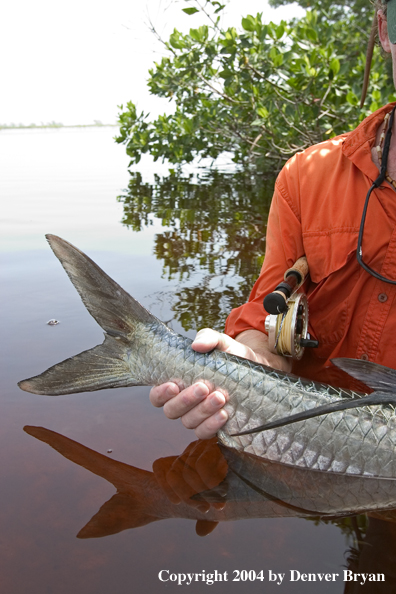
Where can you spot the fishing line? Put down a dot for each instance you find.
(284, 333)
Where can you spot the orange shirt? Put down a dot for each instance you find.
(316, 211)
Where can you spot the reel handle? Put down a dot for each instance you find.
(276, 302)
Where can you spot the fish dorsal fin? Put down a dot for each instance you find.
(112, 307)
(377, 377)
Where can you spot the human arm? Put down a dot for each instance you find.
(200, 408)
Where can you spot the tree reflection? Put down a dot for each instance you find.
(213, 241)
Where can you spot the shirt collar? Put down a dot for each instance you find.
(358, 143)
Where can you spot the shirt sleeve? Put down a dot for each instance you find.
(284, 246)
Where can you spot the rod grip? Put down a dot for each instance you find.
(299, 269)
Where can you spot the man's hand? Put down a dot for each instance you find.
(200, 408)
(199, 468)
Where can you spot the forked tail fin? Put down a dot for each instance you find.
(97, 369)
(118, 313)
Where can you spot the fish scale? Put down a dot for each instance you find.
(140, 350)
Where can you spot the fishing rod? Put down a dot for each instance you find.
(287, 322)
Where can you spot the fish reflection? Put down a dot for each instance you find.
(210, 484)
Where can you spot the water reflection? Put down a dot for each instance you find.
(210, 484)
(216, 226)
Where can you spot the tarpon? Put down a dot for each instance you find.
(307, 424)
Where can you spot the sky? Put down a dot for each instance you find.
(74, 62)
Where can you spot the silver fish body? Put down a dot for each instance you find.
(140, 350)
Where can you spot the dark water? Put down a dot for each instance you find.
(188, 252)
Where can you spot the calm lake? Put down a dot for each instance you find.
(188, 250)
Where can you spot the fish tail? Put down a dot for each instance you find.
(112, 307)
(97, 369)
(106, 365)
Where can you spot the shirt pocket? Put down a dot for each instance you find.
(334, 272)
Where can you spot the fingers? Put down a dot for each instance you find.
(159, 395)
(209, 407)
(188, 399)
(211, 425)
(208, 339)
(196, 406)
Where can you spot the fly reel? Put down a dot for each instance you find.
(287, 324)
(288, 332)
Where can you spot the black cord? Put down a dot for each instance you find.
(376, 184)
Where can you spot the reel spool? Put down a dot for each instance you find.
(287, 324)
(288, 332)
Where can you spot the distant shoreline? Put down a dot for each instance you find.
(54, 125)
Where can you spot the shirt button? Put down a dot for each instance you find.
(364, 357)
(382, 297)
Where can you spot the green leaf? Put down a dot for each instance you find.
(278, 60)
(231, 34)
(262, 112)
(191, 10)
(263, 32)
(219, 7)
(226, 74)
(335, 66)
(311, 34)
(176, 41)
(199, 34)
(352, 99)
(188, 126)
(249, 23)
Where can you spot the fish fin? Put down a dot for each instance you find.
(112, 307)
(376, 377)
(119, 513)
(373, 399)
(96, 369)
